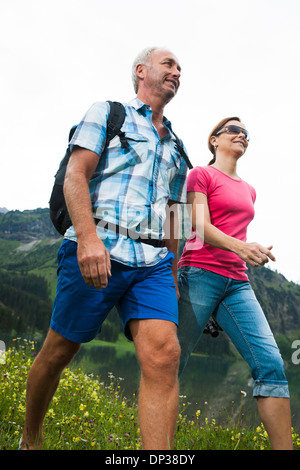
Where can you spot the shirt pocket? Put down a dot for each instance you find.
(137, 147)
(168, 168)
(126, 151)
(174, 163)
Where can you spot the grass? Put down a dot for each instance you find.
(87, 414)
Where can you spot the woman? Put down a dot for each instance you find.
(213, 281)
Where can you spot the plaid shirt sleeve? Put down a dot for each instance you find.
(91, 131)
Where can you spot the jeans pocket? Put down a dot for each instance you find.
(187, 274)
(192, 271)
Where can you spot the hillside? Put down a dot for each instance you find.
(28, 250)
(279, 298)
(27, 226)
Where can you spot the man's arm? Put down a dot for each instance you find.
(93, 258)
(171, 229)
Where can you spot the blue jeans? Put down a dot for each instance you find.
(236, 309)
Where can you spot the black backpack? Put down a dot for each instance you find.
(58, 209)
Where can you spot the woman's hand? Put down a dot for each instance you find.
(254, 253)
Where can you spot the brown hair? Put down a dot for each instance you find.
(214, 132)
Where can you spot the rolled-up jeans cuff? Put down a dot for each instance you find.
(271, 390)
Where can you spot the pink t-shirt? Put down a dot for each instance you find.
(231, 205)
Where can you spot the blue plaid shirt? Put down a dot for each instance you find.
(133, 185)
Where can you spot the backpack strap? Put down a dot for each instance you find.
(114, 122)
(71, 133)
(179, 147)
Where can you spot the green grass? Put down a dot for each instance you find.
(86, 413)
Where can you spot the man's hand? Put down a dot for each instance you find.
(94, 261)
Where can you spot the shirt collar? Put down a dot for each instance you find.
(140, 106)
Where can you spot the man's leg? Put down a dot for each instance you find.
(158, 352)
(42, 383)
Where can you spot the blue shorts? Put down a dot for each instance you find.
(138, 293)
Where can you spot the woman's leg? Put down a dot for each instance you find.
(241, 316)
(200, 294)
(275, 413)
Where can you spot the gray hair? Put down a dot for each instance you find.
(142, 58)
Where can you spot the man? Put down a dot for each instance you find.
(99, 268)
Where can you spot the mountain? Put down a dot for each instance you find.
(27, 226)
(279, 298)
(28, 251)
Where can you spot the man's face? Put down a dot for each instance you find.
(162, 74)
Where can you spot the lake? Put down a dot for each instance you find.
(211, 385)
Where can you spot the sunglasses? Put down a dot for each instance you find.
(235, 130)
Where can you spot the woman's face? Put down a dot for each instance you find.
(231, 139)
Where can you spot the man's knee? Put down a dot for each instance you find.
(161, 357)
(60, 358)
(57, 352)
(157, 346)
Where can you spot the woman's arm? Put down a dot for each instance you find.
(252, 253)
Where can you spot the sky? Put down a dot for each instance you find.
(238, 57)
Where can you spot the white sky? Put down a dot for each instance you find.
(238, 57)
